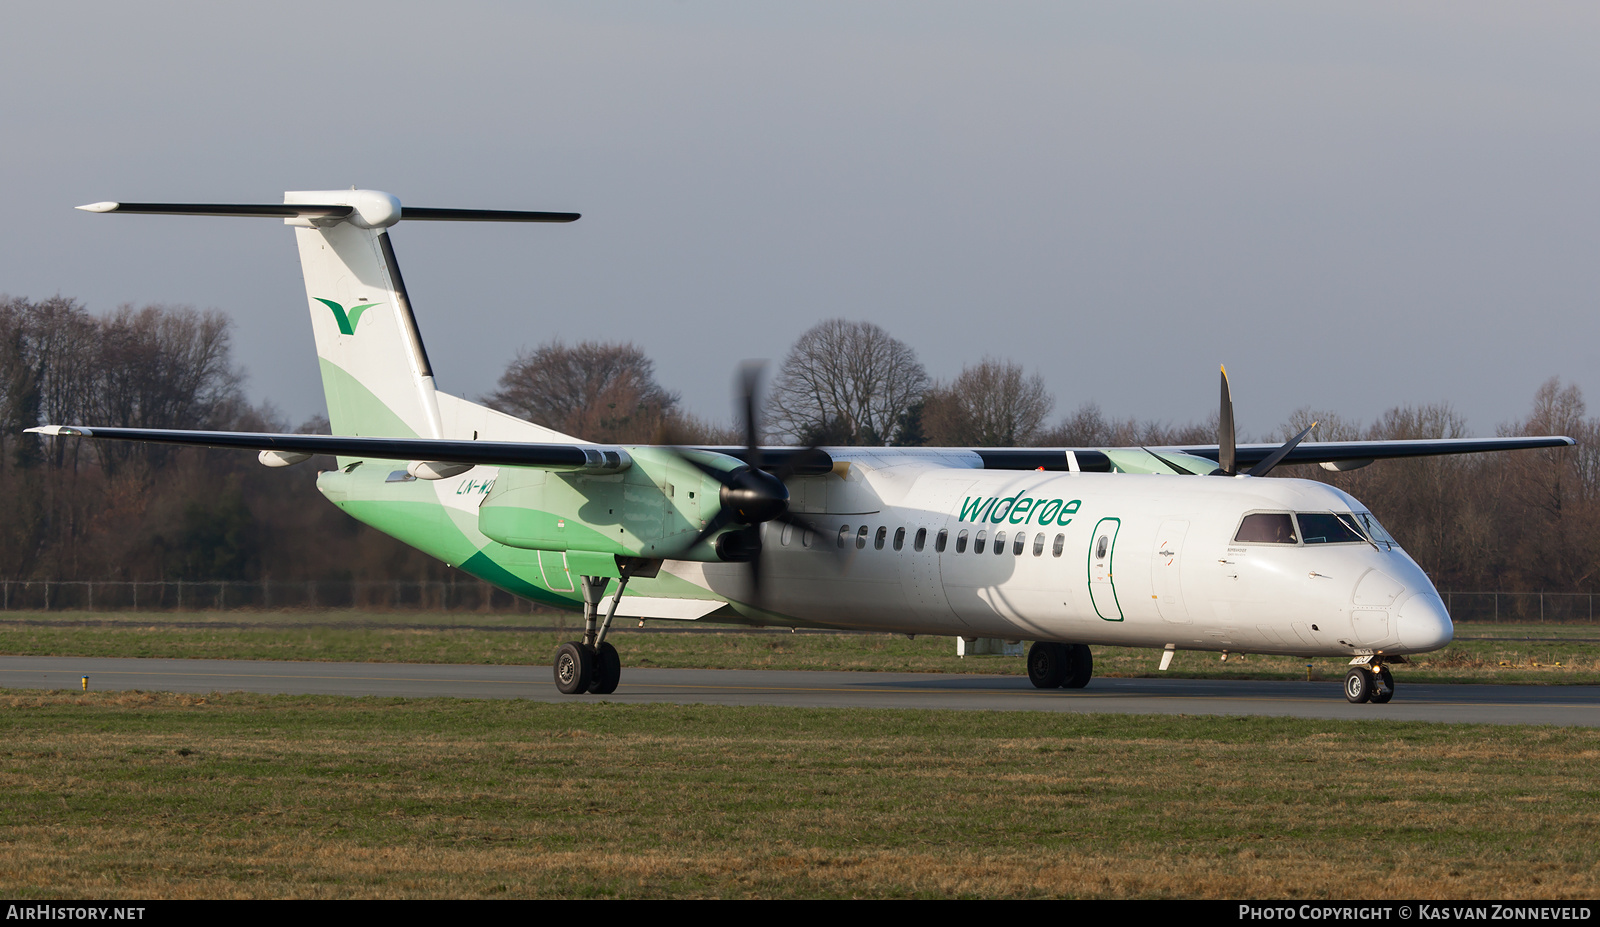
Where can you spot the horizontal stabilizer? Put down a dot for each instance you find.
(484, 215)
(264, 210)
(328, 212)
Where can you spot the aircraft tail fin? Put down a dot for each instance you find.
(375, 369)
(376, 375)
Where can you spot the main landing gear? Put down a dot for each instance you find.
(1369, 682)
(592, 664)
(1059, 666)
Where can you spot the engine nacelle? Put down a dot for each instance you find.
(652, 509)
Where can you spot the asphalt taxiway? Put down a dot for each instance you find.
(1560, 705)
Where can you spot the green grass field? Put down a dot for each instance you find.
(1547, 654)
(139, 795)
(132, 795)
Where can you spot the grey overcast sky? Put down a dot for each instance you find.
(1354, 205)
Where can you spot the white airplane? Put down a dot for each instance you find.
(1170, 548)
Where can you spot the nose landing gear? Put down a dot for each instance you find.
(1369, 682)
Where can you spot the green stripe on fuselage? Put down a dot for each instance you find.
(410, 512)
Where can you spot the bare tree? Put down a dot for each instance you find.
(1331, 426)
(845, 383)
(19, 386)
(1088, 426)
(1548, 497)
(61, 344)
(991, 404)
(162, 367)
(593, 390)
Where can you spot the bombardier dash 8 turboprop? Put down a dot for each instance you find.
(1174, 548)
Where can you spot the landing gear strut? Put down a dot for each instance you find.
(592, 664)
(1369, 682)
(1064, 666)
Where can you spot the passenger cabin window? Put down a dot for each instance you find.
(844, 534)
(899, 538)
(978, 542)
(961, 542)
(806, 537)
(1328, 528)
(943, 536)
(879, 538)
(1266, 528)
(1059, 546)
(921, 539)
(861, 538)
(999, 542)
(1019, 543)
(788, 532)
(1038, 545)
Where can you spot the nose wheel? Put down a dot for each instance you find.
(1369, 684)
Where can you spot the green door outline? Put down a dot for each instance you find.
(1102, 584)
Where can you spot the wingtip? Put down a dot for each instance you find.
(107, 206)
(56, 430)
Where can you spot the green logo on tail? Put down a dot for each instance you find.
(347, 321)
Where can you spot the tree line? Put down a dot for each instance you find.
(79, 510)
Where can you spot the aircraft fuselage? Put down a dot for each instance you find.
(912, 547)
(1097, 558)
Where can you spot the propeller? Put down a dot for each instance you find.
(1227, 454)
(1225, 446)
(1276, 457)
(750, 495)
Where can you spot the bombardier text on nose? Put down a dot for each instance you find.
(1172, 548)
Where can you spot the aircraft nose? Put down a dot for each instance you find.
(1424, 623)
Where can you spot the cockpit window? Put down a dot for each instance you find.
(1375, 531)
(1266, 528)
(1328, 528)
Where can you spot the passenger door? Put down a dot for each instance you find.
(1102, 554)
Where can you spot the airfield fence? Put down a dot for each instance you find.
(466, 594)
(1520, 607)
(452, 595)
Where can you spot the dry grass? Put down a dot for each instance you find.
(143, 796)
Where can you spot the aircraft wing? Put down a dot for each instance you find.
(1309, 452)
(800, 461)
(591, 457)
(1355, 451)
